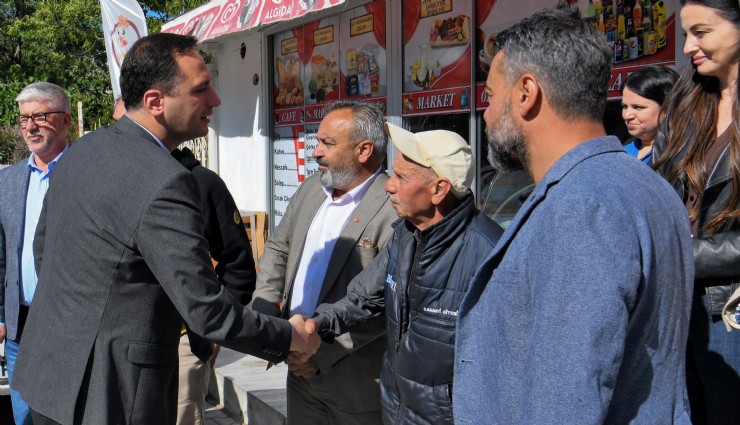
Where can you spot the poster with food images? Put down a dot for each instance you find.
(437, 39)
(321, 72)
(638, 32)
(288, 89)
(362, 58)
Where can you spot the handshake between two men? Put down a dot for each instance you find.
(304, 344)
(305, 341)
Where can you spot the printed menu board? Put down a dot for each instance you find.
(438, 40)
(292, 163)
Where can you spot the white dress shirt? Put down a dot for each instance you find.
(323, 234)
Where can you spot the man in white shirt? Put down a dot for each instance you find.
(334, 226)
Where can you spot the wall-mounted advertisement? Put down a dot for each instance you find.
(438, 41)
(638, 32)
(340, 57)
(321, 71)
(288, 89)
(362, 58)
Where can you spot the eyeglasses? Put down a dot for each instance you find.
(37, 119)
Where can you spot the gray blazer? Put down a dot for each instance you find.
(351, 365)
(122, 261)
(13, 189)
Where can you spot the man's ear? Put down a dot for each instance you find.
(153, 101)
(440, 187)
(364, 151)
(529, 95)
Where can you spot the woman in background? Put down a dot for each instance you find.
(700, 156)
(642, 98)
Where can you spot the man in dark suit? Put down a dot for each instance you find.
(44, 119)
(123, 260)
(230, 249)
(334, 226)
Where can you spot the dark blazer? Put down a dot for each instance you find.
(351, 365)
(227, 239)
(13, 190)
(122, 262)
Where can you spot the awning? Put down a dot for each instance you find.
(220, 17)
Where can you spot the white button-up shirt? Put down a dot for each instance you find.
(323, 234)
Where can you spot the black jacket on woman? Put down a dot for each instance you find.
(717, 256)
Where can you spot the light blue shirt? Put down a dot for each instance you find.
(38, 184)
(159, 142)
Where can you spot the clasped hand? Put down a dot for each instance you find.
(305, 340)
(299, 363)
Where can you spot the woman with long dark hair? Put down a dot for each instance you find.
(700, 156)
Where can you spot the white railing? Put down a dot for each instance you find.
(199, 147)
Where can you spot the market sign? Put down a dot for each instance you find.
(220, 17)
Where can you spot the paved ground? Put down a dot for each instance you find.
(216, 415)
(236, 373)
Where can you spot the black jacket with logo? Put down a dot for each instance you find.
(226, 236)
(419, 280)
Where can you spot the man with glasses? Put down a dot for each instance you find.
(44, 119)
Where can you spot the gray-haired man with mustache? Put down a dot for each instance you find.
(334, 226)
(44, 117)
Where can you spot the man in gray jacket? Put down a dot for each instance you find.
(334, 226)
(44, 117)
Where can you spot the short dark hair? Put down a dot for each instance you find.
(569, 57)
(151, 64)
(652, 82)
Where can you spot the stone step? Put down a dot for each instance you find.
(250, 392)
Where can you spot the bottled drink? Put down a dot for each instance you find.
(647, 15)
(637, 15)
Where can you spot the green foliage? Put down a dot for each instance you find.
(7, 145)
(158, 12)
(61, 41)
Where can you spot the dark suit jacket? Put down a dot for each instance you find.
(122, 261)
(13, 190)
(227, 239)
(351, 365)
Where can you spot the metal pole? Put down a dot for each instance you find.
(80, 121)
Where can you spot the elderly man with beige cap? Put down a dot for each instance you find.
(421, 276)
